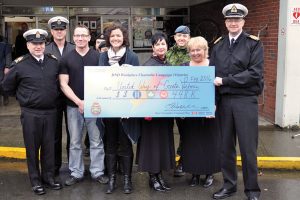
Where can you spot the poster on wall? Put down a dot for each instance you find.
(295, 16)
(86, 23)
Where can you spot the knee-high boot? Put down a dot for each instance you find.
(127, 169)
(111, 162)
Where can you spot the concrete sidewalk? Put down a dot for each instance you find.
(277, 149)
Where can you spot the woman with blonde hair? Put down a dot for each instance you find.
(201, 136)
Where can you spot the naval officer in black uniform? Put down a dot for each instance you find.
(238, 58)
(33, 78)
(59, 47)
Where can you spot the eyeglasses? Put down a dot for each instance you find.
(82, 36)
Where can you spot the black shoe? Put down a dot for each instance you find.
(224, 193)
(111, 184)
(253, 198)
(102, 179)
(162, 182)
(127, 184)
(155, 184)
(195, 180)
(178, 172)
(52, 185)
(38, 189)
(72, 180)
(208, 181)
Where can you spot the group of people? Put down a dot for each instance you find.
(49, 83)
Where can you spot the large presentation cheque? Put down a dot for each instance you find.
(148, 91)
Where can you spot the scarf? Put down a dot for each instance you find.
(114, 58)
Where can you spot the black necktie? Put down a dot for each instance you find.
(40, 61)
(231, 43)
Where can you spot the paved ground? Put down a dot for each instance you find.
(275, 185)
(14, 184)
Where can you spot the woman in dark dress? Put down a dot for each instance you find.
(117, 142)
(201, 136)
(156, 145)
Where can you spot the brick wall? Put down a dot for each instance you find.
(261, 13)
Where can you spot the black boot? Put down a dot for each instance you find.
(195, 180)
(111, 162)
(178, 172)
(126, 163)
(162, 182)
(154, 183)
(208, 181)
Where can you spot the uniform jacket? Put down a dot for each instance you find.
(35, 84)
(176, 55)
(241, 66)
(53, 49)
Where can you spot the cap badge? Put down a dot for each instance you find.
(58, 21)
(38, 35)
(233, 9)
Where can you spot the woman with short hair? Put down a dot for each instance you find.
(201, 136)
(155, 151)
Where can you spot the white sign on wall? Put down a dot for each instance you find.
(295, 16)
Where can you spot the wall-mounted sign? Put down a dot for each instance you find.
(295, 16)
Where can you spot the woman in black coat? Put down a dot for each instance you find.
(200, 136)
(156, 145)
(117, 133)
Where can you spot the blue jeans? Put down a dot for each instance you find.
(76, 123)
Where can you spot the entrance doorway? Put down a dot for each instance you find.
(15, 26)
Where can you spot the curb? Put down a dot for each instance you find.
(287, 163)
(13, 152)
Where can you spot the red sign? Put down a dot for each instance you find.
(296, 16)
(296, 13)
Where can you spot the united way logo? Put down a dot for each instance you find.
(96, 109)
(164, 94)
(136, 94)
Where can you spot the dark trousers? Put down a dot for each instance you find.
(61, 112)
(38, 128)
(116, 140)
(179, 123)
(239, 120)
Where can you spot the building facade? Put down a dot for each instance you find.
(275, 22)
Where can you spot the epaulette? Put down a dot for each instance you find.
(51, 56)
(219, 39)
(253, 37)
(18, 60)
